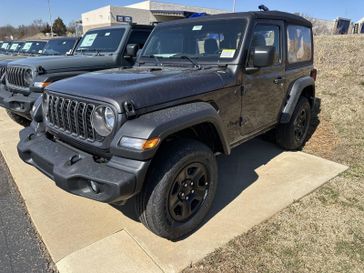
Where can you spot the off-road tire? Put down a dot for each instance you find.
(152, 203)
(18, 119)
(285, 133)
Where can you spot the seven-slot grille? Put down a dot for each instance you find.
(2, 71)
(15, 76)
(71, 116)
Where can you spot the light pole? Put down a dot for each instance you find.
(50, 17)
(234, 6)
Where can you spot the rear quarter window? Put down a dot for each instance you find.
(299, 44)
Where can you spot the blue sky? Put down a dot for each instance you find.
(25, 11)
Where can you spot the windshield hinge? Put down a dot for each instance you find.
(242, 90)
(129, 109)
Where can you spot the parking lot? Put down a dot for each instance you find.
(134, 141)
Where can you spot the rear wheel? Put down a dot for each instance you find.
(179, 190)
(18, 119)
(293, 135)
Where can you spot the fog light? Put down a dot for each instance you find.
(94, 186)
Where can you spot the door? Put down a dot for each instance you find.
(264, 90)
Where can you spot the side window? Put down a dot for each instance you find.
(139, 37)
(267, 35)
(299, 44)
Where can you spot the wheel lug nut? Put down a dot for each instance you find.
(182, 194)
(192, 191)
(191, 183)
(187, 198)
(185, 185)
(206, 183)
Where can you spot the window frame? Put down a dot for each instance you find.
(301, 63)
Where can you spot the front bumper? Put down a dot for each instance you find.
(73, 170)
(17, 102)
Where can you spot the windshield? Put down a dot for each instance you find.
(4, 47)
(211, 41)
(33, 47)
(59, 47)
(107, 40)
(15, 47)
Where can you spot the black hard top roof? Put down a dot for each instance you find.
(36, 40)
(64, 38)
(275, 15)
(126, 25)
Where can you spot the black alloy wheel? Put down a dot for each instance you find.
(188, 192)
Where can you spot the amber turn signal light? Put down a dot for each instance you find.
(151, 143)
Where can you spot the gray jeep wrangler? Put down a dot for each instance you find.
(200, 87)
(102, 48)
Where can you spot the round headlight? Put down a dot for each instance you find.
(103, 120)
(28, 77)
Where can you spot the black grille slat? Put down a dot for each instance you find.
(2, 70)
(89, 130)
(80, 117)
(56, 112)
(67, 104)
(71, 116)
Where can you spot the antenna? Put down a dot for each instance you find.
(263, 8)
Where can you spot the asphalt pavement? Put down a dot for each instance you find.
(20, 249)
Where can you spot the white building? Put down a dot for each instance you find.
(359, 27)
(147, 12)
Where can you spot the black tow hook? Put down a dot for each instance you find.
(74, 159)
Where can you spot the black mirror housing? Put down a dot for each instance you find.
(132, 50)
(263, 56)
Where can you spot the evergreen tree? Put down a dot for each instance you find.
(59, 27)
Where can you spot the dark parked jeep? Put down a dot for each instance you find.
(103, 48)
(54, 47)
(200, 87)
(29, 48)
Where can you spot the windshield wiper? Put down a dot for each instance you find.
(97, 50)
(195, 63)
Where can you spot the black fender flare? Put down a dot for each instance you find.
(293, 96)
(165, 122)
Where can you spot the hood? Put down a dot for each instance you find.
(144, 86)
(9, 58)
(67, 63)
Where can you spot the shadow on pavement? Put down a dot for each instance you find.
(236, 173)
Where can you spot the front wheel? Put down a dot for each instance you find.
(180, 189)
(18, 119)
(293, 135)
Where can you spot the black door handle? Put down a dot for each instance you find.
(279, 80)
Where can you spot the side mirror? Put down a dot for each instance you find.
(263, 56)
(131, 50)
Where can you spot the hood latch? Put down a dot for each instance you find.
(129, 109)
